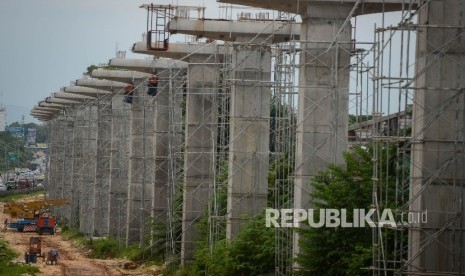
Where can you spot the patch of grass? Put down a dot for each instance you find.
(104, 248)
(73, 234)
(14, 197)
(8, 267)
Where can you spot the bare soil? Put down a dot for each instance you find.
(72, 260)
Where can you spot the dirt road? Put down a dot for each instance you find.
(71, 261)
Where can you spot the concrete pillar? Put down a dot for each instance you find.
(322, 113)
(89, 163)
(437, 161)
(67, 166)
(249, 134)
(168, 155)
(78, 166)
(54, 177)
(119, 167)
(200, 146)
(102, 177)
(141, 165)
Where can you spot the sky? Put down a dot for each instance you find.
(46, 44)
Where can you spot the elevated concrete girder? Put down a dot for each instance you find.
(272, 31)
(298, 7)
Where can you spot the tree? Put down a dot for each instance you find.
(342, 251)
(12, 152)
(251, 252)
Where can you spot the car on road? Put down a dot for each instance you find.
(3, 187)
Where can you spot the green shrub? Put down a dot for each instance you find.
(104, 248)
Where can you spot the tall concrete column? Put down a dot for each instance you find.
(54, 177)
(249, 134)
(67, 166)
(322, 113)
(141, 165)
(102, 176)
(121, 129)
(78, 167)
(87, 206)
(200, 146)
(437, 161)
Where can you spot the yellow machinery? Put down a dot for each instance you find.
(33, 209)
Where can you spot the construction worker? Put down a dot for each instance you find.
(152, 85)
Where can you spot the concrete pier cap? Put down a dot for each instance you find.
(37, 110)
(46, 111)
(119, 75)
(68, 102)
(302, 6)
(86, 91)
(109, 85)
(51, 105)
(72, 96)
(152, 66)
(180, 51)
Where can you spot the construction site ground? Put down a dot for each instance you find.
(72, 260)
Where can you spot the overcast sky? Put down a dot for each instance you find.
(45, 44)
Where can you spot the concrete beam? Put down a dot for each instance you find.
(39, 109)
(297, 6)
(86, 91)
(249, 31)
(52, 105)
(109, 85)
(180, 51)
(72, 96)
(151, 66)
(118, 75)
(66, 102)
